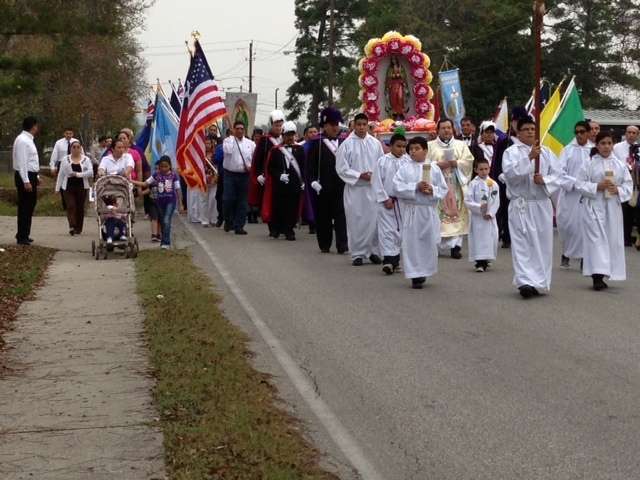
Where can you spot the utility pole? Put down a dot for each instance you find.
(251, 67)
(332, 46)
(278, 88)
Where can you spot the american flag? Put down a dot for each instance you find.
(202, 105)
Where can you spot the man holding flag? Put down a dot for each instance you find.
(202, 106)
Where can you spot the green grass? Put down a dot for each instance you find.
(21, 268)
(49, 203)
(218, 414)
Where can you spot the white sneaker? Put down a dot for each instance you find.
(479, 269)
(124, 238)
(165, 247)
(205, 225)
(109, 241)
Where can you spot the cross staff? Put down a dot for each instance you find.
(538, 16)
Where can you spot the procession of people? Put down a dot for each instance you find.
(400, 204)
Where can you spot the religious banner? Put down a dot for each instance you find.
(241, 106)
(452, 102)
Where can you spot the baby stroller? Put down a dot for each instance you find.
(118, 192)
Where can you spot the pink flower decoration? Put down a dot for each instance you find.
(394, 45)
(372, 96)
(416, 59)
(380, 50)
(419, 73)
(406, 49)
(423, 107)
(370, 66)
(420, 90)
(370, 81)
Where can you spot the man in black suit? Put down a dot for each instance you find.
(26, 165)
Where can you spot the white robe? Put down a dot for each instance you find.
(530, 214)
(420, 220)
(194, 199)
(389, 220)
(572, 161)
(602, 225)
(355, 156)
(483, 234)
(208, 207)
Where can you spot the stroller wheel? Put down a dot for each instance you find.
(93, 248)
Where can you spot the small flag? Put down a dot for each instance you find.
(550, 110)
(201, 107)
(501, 118)
(561, 132)
(175, 101)
(165, 131)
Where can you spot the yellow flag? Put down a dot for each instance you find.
(549, 111)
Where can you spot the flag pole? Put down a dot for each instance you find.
(538, 15)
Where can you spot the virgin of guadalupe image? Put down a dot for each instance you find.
(397, 91)
(241, 114)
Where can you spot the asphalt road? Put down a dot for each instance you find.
(461, 380)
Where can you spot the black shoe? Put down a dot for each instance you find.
(241, 231)
(23, 242)
(506, 244)
(72, 232)
(527, 291)
(227, 227)
(312, 230)
(535, 291)
(219, 223)
(342, 251)
(387, 268)
(418, 282)
(325, 250)
(357, 262)
(375, 259)
(598, 282)
(455, 253)
(564, 262)
(290, 237)
(273, 234)
(30, 240)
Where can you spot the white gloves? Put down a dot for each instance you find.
(284, 178)
(302, 186)
(316, 186)
(261, 179)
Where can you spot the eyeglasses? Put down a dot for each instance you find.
(580, 132)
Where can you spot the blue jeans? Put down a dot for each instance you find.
(234, 199)
(111, 224)
(165, 213)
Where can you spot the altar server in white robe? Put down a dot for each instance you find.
(389, 217)
(530, 209)
(572, 160)
(355, 160)
(605, 183)
(482, 198)
(419, 187)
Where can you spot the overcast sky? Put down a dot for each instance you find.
(226, 28)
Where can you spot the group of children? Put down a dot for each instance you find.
(408, 189)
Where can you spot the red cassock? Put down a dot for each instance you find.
(258, 167)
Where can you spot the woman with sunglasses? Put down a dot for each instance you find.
(73, 180)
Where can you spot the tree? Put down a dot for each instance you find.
(313, 21)
(70, 62)
(598, 43)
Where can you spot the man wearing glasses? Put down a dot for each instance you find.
(573, 159)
